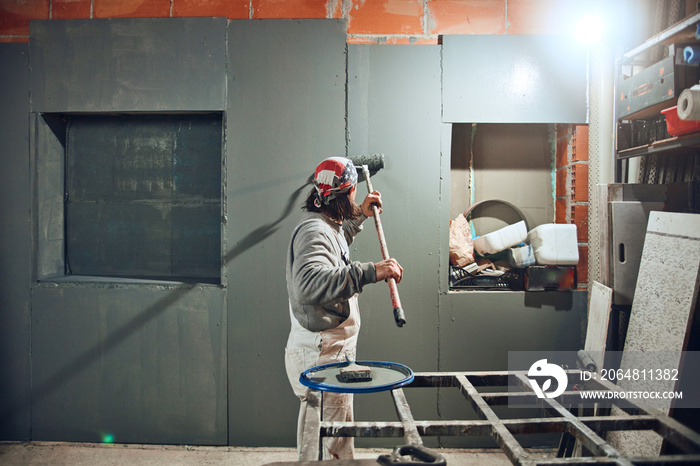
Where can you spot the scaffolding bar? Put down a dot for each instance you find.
(311, 438)
(510, 446)
(587, 429)
(410, 432)
(580, 431)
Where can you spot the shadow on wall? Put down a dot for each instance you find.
(71, 370)
(263, 232)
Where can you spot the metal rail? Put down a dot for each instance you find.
(588, 430)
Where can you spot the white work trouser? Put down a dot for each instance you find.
(306, 349)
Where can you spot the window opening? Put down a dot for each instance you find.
(512, 164)
(142, 196)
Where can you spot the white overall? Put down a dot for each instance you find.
(306, 349)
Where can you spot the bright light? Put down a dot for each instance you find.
(589, 29)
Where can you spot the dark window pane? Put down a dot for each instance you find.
(143, 196)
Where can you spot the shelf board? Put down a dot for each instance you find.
(683, 31)
(673, 144)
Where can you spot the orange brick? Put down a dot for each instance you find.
(579, 182)
(289, 9)
(582, 266)
(374, 40)
(542, 16)
(385, 17)
(70, 9)
(560, 210)
(579, 217)
(561, 183)
(467, 16)
(366, 40)
(16, 14)
(562, 155)
(579, 148)
(131, 9)
(232, 9)
(8, 40)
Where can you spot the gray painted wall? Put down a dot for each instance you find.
(514, 163)
(203, 364)
(15, 245)
(394, 109)
(515, 79)
(137, 361)
(286, 113)
(152, 64)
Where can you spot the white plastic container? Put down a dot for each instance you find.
(502, 239)
(521, 256)
(554, 244)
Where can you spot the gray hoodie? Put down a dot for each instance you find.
(320, 277)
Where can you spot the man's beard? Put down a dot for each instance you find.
(356, 210)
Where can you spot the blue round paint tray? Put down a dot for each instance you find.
(385, 376)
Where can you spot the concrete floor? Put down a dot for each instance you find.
(91, 454)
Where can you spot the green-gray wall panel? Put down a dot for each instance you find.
(145, 64)
(514, 79)
(286, 113)
(394, 109)
(144, 362)
(15, 245)
(478, 329)
(139, 364)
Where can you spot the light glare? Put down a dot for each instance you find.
(589, 29)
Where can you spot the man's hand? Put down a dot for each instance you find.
(389, 268)
(373, 198)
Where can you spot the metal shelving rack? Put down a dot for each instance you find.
(589, 431)
(683, 32)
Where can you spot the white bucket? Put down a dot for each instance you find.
(554, 244)
(502, 239)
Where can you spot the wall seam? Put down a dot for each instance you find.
(440, 294)
(347, 98)
(31, 363)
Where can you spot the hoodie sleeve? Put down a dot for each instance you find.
(352, 227)
(318, 277)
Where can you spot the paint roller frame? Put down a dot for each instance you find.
(399, 315)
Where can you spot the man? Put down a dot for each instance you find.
(323, 285)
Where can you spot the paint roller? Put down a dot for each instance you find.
(374, 162)
(371, 164)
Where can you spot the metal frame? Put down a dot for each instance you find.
(682, 32)
(588, 430)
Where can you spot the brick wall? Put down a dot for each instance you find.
(571, 197)
(369, 21)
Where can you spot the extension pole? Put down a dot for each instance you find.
(399, 316)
